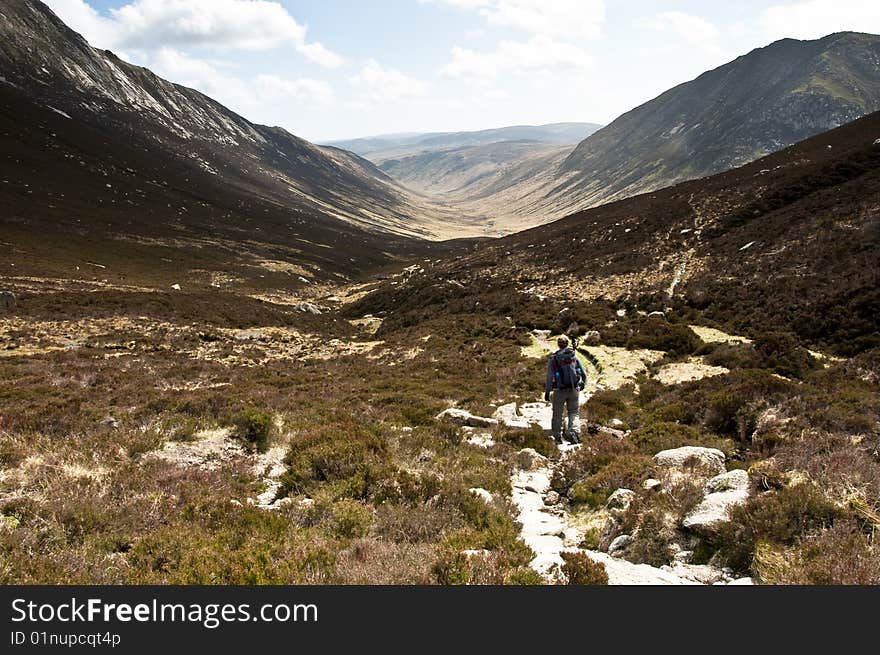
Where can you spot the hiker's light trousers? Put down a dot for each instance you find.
(566, 400)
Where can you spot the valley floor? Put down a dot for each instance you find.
(196, 440)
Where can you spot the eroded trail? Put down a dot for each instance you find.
(549, 529)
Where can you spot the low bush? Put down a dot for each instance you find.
(777, 517)
(782, 353)
(622, 472)
(595, 453)
(654, 437)
(532, 437)
(581, 569)
(254, 427)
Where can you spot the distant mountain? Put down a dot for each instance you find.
(92, 142)
(380, 148)
(789, 242)
(477, 172)
(757, 104)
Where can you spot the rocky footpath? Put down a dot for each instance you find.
(549, 528)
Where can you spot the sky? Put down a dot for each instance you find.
(337, 69)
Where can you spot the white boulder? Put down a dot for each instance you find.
(620, 500)
(465, 418)
(697, 459)
(723, 493)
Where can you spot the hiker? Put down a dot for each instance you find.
(566, 378)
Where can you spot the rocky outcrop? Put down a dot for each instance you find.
(723, 493)
(463, 417)
(621, 572)
(618, 547)
(620, 500)
(691, 460)
(529, 459)
(308, 308)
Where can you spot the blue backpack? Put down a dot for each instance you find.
(565, 369)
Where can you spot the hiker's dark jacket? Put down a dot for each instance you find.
(567, 353)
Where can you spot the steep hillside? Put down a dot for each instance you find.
(380, 148)
(789, 242)
(85, 134)
(470, 172)
(755, 105)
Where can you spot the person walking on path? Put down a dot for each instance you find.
(565, 378)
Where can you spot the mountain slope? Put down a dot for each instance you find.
(757, 104)
(788, 242)
(380, 148)
(44, 62)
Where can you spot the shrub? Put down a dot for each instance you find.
(840, 555)
(778, 517)
(782, 353)
(595, 453)
(254, 427)
(652, 540)
(656, 333)
(653, 438)
(581, 569)
(626, 471)
(524, 576)
(608, 404)
(531, 437)
(347, 455)
(735, 355)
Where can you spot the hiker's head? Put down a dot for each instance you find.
(562, 341)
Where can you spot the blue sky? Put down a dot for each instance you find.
(335, 69)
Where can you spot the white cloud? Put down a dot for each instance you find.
(690, 29)
(80, 17)
(200, 74)
(222, 24)
(320, 55)
(249, 97)
(816, 18)
(304, 89)
(377, 83)
(539, 54)
(558, 18)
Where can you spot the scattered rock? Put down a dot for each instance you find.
(723, 492)
(621, 572)
(7, 300)
(620, 500)
(658, 314)
(529, 459)
(307, 308)
(109, 421)
(425, 455)
(465, 418)
(616, 422)
(652, 485)
(176, 287)
(591, 338)
(619, 545)
(745, 581)
(683, 556)
(551, 498)
(735, 480)
(692, 459)
(482, 494)
(701, 573)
